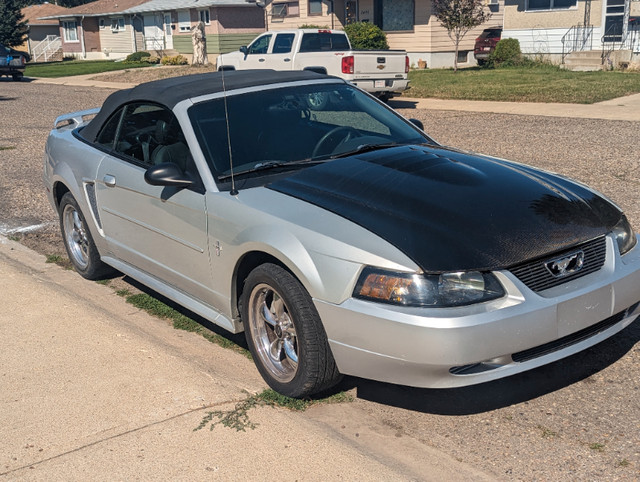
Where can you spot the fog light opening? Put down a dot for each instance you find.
(480, 367)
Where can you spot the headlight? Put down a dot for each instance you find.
(443, 290)
(625, 237)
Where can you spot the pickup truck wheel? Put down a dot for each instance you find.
(17, 77)
(317, 100)
(285, 334)
(78, 242)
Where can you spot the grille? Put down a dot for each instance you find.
(537, 277)
(572, 339)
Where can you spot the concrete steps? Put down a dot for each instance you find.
(587, 60)
(590, 60)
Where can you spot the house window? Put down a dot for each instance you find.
(315, 7)
(394, 15)
(205, 16)
(463, 56)
(551, 4)
(184, 20)
(117, 24)
(281, 10)
(101, 23)
(70, 31)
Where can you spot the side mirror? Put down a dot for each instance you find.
(417, 123)
(244, 50)
(167, 174)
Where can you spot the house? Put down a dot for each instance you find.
(116, 28)
(42, 33)
(554, 29)
(409, 24)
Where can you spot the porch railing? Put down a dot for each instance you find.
(45, 50)
(577, 39)
(613, 40)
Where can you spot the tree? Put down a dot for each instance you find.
(13, 27)
(366, 36)
(458, 17)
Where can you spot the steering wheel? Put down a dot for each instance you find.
(349, 133)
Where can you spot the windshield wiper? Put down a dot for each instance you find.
(366, 148)
(267, 165)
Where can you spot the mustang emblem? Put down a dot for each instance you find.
(567, 265)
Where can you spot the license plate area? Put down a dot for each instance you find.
(574, 315)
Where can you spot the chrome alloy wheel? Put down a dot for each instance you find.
(273, 332)
(75, 236)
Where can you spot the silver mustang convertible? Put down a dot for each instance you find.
(337, 235)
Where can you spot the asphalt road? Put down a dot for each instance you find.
(577, 419)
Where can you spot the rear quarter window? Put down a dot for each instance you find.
(318, 42)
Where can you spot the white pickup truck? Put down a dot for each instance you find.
(380, 72)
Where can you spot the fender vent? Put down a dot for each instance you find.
(91, 196)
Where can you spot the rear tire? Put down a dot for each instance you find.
(285, 334)
(17, 77)
(78, 242)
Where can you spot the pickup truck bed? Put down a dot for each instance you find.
(12, 62)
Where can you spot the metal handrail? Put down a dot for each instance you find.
(50, 45)
(578, 38)
(610, 46)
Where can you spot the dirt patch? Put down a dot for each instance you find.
(138, 76)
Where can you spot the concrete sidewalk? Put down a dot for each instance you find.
(623, 108)
(93, 389)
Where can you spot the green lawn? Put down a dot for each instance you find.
(78, 67)
(523, 84)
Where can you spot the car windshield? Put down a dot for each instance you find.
(293, 127)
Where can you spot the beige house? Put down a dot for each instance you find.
(116, 28)
(409, 24)
(556, 28)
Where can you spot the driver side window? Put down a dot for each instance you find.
(147, 134)
(261, 45)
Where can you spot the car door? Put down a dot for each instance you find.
(159, 230)
(282, 52)
(256, 57)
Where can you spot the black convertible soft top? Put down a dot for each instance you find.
(169, 92)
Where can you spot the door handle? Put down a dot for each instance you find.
(261, 60)
(109, 180)
(287, 60)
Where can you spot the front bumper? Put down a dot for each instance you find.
(453, 347)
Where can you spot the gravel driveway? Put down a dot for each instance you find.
(578, 419)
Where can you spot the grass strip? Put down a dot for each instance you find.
(70, 68)
(537, 83)
(180, 321)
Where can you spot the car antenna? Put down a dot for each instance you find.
(234, 191)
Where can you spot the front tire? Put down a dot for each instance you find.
(78, 242)
(285, 334)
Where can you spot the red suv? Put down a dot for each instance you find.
(486, 43)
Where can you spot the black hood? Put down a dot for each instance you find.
(452, 211)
